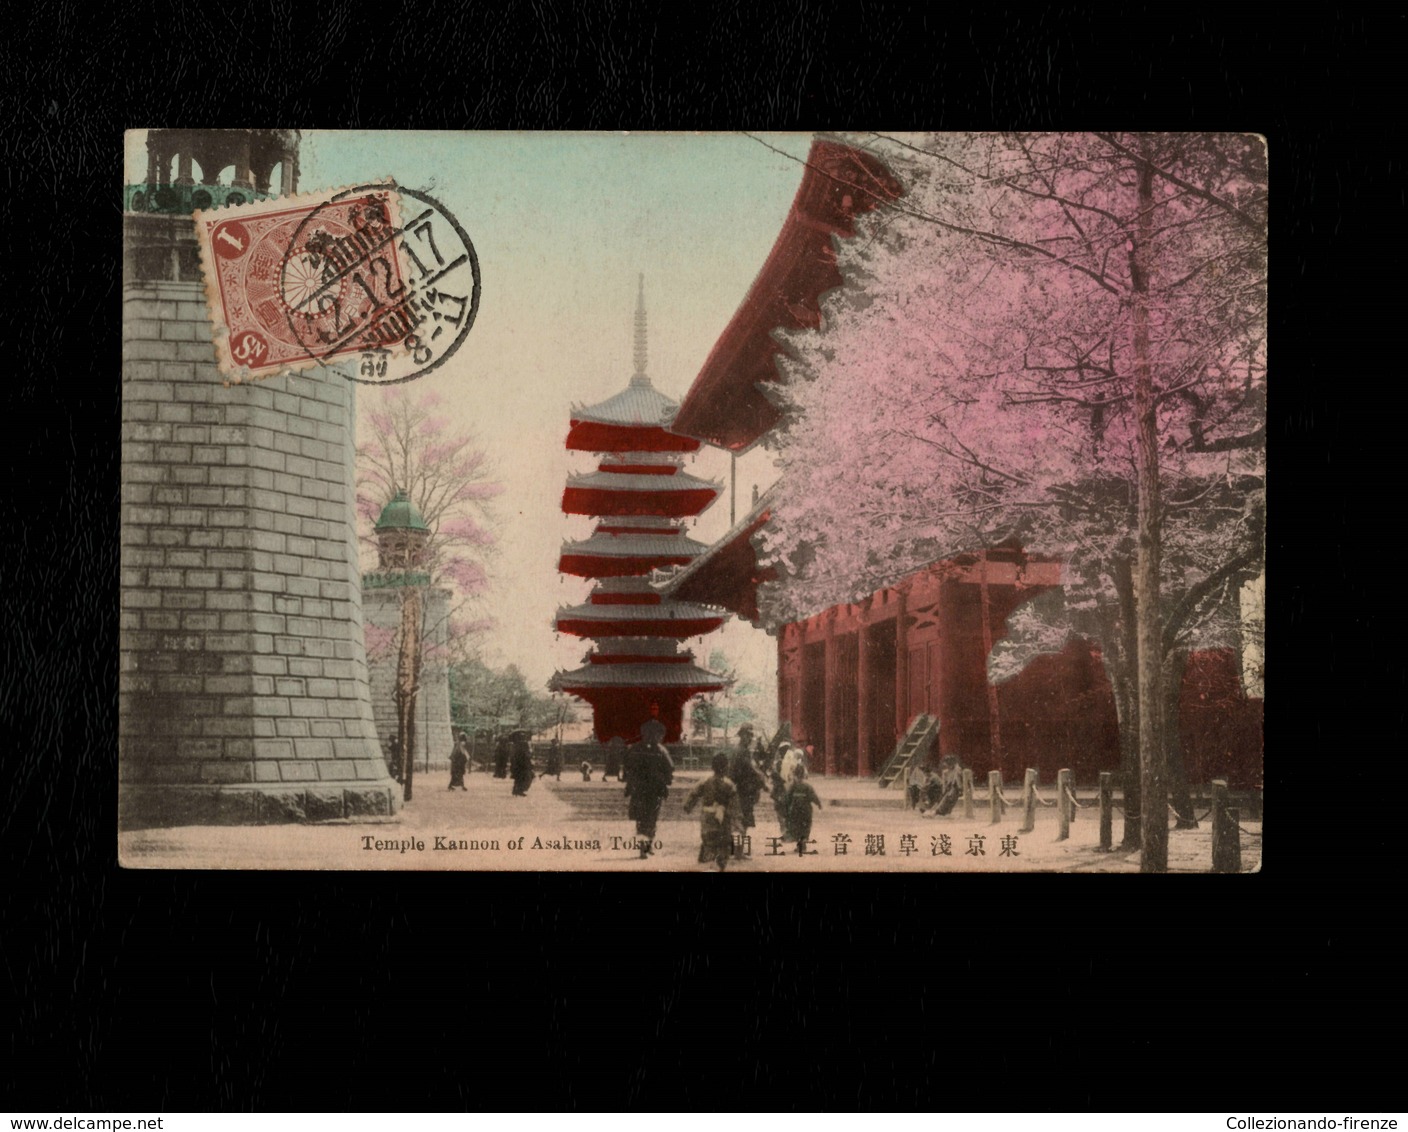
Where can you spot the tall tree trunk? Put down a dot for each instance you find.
(1153, 777)
(1174, 667)
(407, 679)
(1121, 667)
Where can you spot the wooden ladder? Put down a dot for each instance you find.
(915, 745)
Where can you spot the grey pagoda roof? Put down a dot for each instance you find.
(628, 481)
(637, 676)
(635, 546)
(640, 403)
(617, 612)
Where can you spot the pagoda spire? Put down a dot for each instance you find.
(640, 378)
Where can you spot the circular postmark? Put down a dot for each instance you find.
(381, 276)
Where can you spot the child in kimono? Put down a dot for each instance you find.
(798, 803)
(717, 798)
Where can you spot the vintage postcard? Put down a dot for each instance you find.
(726, 503)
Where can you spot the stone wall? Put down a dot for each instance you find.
(244, 688)
(382, 608)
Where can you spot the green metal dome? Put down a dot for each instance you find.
(400, 514)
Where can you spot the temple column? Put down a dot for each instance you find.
(833, 698)
(994, 718)
(800, 723)
(153, 165)
(902, 711)
(863, 701)
(940, 686)
(184, 176)
(782, 713)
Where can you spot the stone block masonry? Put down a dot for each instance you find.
(244, 692)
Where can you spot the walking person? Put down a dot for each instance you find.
(648, 770)
(717, 798)
(792, 758)
(748, 780)
(554, 766)
(914, 791)
(933, 792)
(799, 800)
(522, 763)
(501, 756)
(951, 783)
(459, 763)
(615, 757)
(779, 787)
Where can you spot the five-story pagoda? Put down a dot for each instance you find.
(641, 494)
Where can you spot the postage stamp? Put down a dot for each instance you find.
(798, 503)
(305, 281)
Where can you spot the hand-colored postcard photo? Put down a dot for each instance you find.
(720, 503)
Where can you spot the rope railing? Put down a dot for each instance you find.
(1174, 811)
(1226, 827)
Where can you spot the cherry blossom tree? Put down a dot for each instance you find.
(408, 444)
(1059, 340)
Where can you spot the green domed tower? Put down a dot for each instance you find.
(402, 538)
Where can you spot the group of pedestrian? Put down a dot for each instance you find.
(513, 758)
(794, 797)
(728, 800)
(934, 791)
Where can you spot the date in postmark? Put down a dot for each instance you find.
(378, 275)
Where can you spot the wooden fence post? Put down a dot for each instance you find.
(994, 789)
(1063, 804)
(1226, 839)
(967, 793)
(1219, 825)
(1029, 800)
(1107, 811)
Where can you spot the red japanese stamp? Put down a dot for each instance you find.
(312, 280)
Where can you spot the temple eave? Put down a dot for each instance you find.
(592, 566)
(726, 406)
(670, 505)
(679, 629)
(727, 575)
(586, 435)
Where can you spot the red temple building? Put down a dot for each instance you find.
(642, 493)
(852, 677)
